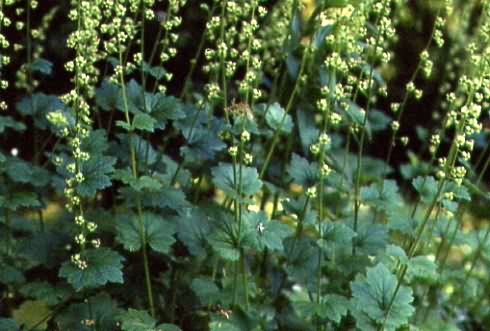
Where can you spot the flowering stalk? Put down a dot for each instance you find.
(85, 41)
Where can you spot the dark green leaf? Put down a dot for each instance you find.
(9, 122)
(41, 65)
(372, 295)
(103, 266)
(277, 119)
(159, 232)
(136, 320)
(145, 122)
(8, 324)
(303, 172)
(225, 179)
(206, 290)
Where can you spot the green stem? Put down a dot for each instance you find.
(277, 132)
(357, 202)
(142, 231)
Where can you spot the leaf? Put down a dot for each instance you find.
(38, 106)
(206, 290)
(267, 233)
(159, 232)
(7, 122)
(96, 172)
(20, 199)
(167, 327)
(333, 308)
(193, 229)
(308, 131)
(145, 122)
(370, 238)
(8, 324)
(278, 120)
(100, 308)
(42, 65)
(384, 196)
(421, 267)
(302, 254)
(426, 187)
(107, 96)
(136, 320)
(223, 178)
(103, 266)
(378, 120)
(222, 326)
(30, 313)
(202, 145)
(10, 275)
(373, 293)
(168, 108)
(156, 72)
(302, 172)
(336, 236)
(45, 291)
(46, 248)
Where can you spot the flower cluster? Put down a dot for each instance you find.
(169, 22)
(85, 41)
(4, 45)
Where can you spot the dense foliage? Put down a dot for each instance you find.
(274, 180)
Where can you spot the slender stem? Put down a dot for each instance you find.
(360, 151)
(142, 231)
(277, 132)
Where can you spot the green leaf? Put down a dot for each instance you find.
(384, 196)
(9, 122)
(426, 187)
(336, 236)
(10, 275)
(206, 290)
(107, 96)
(124, 125)
(45, 248)
(145, 122)
(42, 65)
(373, 293)
(8, 324)
(38, 106)
(168, 108)
(421, 267)
(303, 259)
(308, 131)
(202, 145)
(101, 309)
(167, 327)
(333, 308)
(30, 313)
(103, 266)
(136, 320)
(278, 120)
(303, 172)
(159, 232)
(223, 178)
(222, 326)
(97, 171)
(266, 233)
(51, 294)
(193, 229)
(20, 199)
(156, 72)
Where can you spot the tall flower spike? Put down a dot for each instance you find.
(85, 42)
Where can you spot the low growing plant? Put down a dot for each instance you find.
(272, 180)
